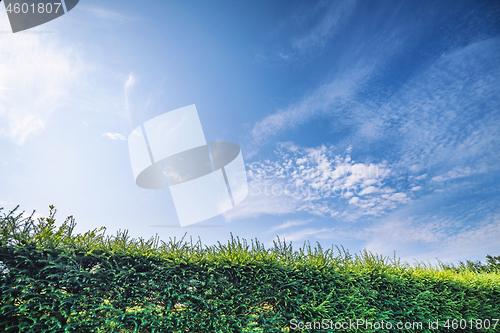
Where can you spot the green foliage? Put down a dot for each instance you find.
(492, 265)
(55, 281)
(493, 262)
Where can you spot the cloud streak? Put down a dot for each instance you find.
(114, 136)
(289, 224)
(336, 14)
(108, 15)
(327, 100)
(127, 89)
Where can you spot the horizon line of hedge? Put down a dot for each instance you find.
(55, 281)
(18, 229)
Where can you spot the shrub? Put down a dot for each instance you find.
(55, 281)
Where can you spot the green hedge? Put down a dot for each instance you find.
(54, 281)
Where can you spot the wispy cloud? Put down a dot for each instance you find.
(457, 172)
(327, 100)
(441, 116)
(481, 238)
(447, 239)
(306, 234)
(23, 126)
(258, 203)
(334, 16)
(289, 224)
(127, 88)
(419, 177)
(314, 27)
(9, 203)
(107, 14)
(443, 235)
(36, 75)
(330, 233)
(114, 136)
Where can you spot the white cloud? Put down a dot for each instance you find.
(353, 201)
(23, 126)
(4, 203)
(290, 223)
(323, 100)
(369, 190)
(480, 239)
(332, 233)
(403, 232)
(260, 202)
(377, 205)
(305, 234)
(451, 232)
(457, 172)
(407, 235)
(421, 177)
(445, 244)
(416, 188)
(441, 114)
(114, 136)
(318, 208)
(127, 88)
(318, 25)
(129, 83)
(316, 181)
(36, 76)
(107, 14)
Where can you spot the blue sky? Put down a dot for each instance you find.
(362, 123)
